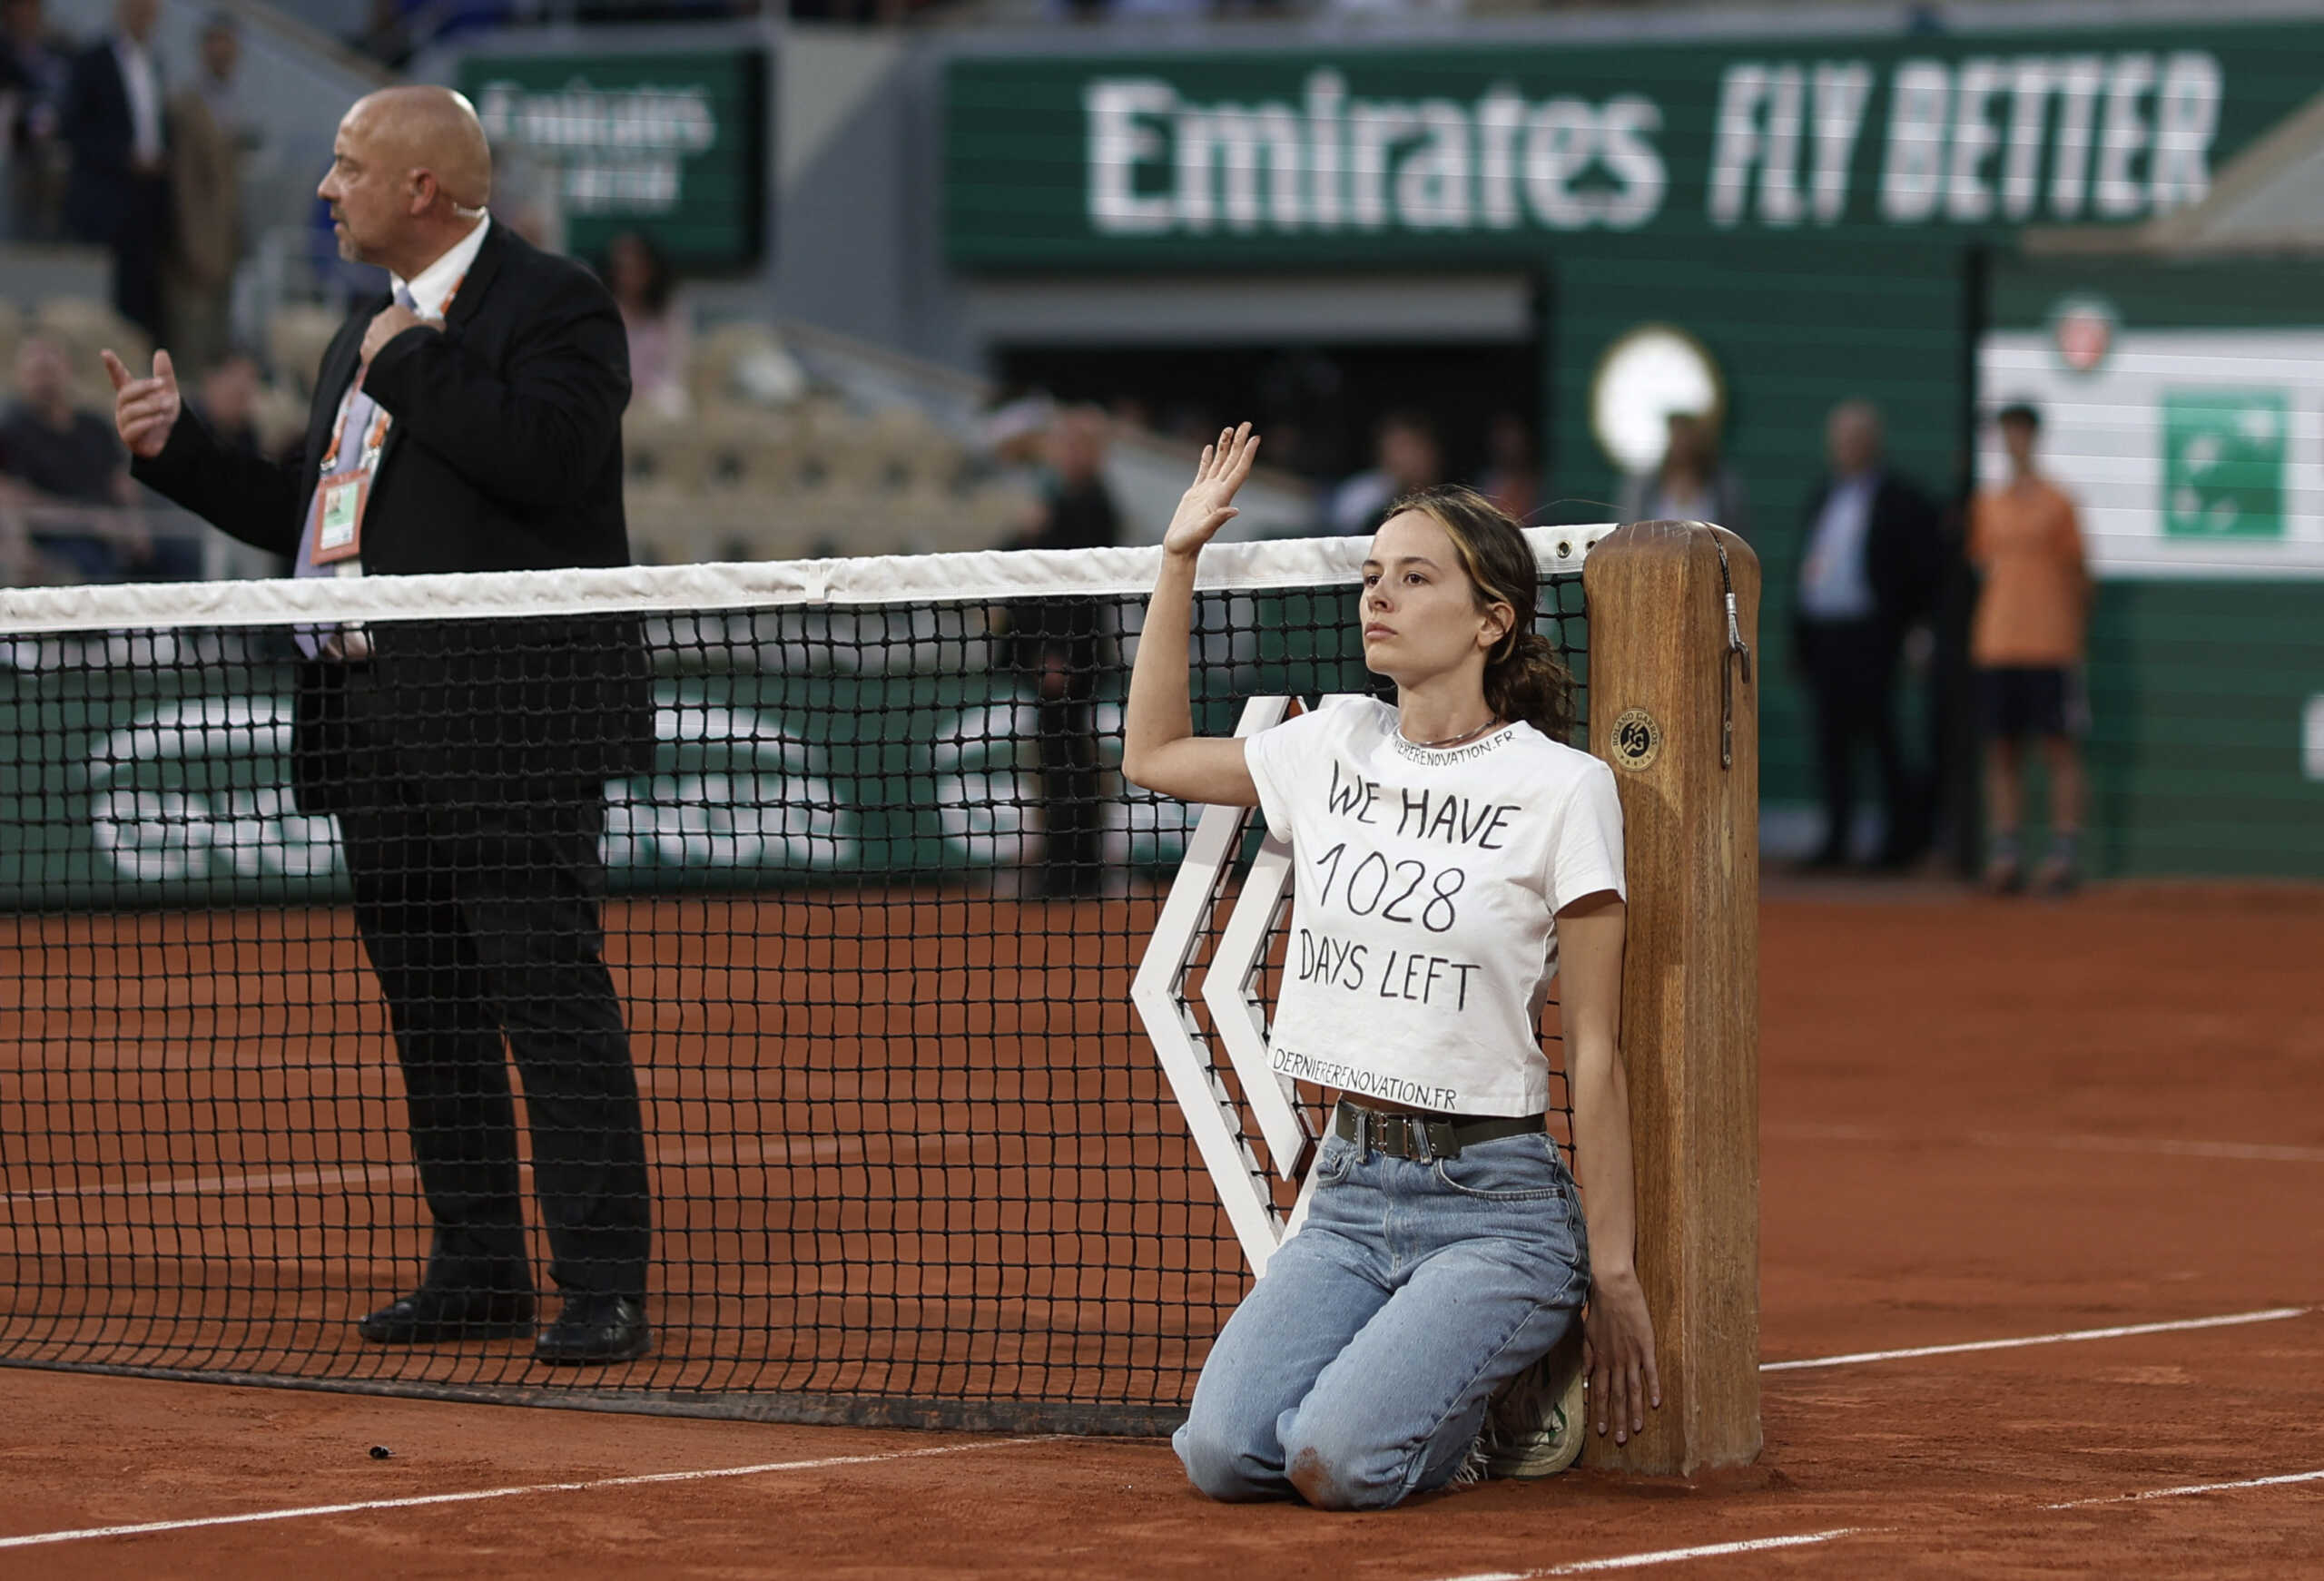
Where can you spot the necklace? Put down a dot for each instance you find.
(1458, 740)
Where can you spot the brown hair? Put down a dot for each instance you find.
(1524, 677)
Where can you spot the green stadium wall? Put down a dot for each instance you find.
(1826, 279)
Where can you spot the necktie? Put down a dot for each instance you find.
(358, 411)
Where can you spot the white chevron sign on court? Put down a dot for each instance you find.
(1160, 995)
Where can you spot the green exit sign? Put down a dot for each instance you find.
(674, 145)
(2223, 461)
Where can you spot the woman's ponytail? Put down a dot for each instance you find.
(1525, 679)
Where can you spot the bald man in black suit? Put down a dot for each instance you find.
(469, 421)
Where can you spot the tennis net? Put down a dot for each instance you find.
(874, 892)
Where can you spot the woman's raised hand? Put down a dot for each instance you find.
(1208, 503)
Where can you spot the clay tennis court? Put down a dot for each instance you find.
(1982, 1123)
(912, 1163)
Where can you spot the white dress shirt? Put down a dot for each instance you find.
(431, 289)
(430, 293)
(145, 90)
(1834, 581)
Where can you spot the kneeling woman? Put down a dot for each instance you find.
(1451, 853)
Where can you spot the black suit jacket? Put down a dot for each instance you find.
(503, 455)
(103, 190)
(1903, 553)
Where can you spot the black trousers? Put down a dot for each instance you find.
(138, 247)
(1061, 654)
(1851, 669)
(482, 924)
(1072, 819)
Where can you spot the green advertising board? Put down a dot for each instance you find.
(2224, 459)
(1375, 154)
(163, 779)
(173, 790)
(674, 145)
(2183, 407)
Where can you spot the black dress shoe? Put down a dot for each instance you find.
(595, 1329)
(434, 1316)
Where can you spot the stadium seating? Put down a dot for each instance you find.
(768, 466)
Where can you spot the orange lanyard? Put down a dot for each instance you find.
(377, 436)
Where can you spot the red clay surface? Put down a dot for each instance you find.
(1981, 1121)
(906, 1143)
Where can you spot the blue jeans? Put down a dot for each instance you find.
(1358, 1370)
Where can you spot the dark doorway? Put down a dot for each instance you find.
(1317, 405)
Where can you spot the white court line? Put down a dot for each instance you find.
(2270, 1315)
(209, 1185)
(218, 1185)
(2167, 1147)
(418, 1501)
(765, 1150)
(1672, 1555)
(2288, 1478)
(1809, 1539)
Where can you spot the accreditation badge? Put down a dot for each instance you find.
(339, 526)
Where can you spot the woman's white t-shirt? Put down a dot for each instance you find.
(1423, 931)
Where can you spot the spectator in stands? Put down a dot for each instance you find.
(1691, 485)
(35, 65)
(1407, 458)
(385, 35)
(220, 82)
(118, 195)
(1057, 643)
(1869, 574)
(69, 456)
(639, 275)
(396, 29)
(230, 403)
(2026, 643)
(1510, 480)
(208, 137)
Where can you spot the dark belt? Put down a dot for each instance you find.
(1423, 1137)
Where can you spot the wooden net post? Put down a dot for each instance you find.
(1674, 708)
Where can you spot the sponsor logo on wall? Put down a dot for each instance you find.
(2188, 452)
(2223, 457)
(2006, 137)
(196, 790)
(2082, 332)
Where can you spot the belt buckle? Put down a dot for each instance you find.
(1409, 1140)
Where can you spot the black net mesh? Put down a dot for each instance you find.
(325, 966)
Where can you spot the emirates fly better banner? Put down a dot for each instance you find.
(1077, 160)
(671, 145)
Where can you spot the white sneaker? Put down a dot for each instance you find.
(1536, 1424)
